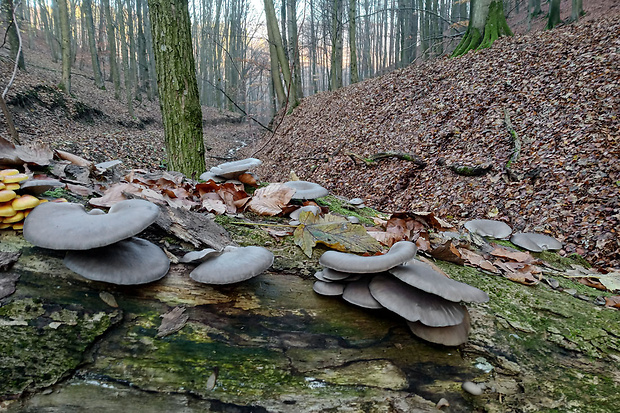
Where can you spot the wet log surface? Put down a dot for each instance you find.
(271, 345)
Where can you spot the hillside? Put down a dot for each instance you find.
(560, 91)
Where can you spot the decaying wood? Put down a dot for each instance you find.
(471, 170)
(193, 227)
(9, 121)
(7, 259)
(516, 153)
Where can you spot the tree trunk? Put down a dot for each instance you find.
(336, 57)
(133, 65)
(151, 89)
(125, 57)
(352, 39)
(554, 14)
(178, 89)
(534, 7)
(276, 40)
(293, 44)
(65, 32)
(576, 10)
(14, 42)
(486, 24)
(90, 28)
(114, 72)
(143, 68)
(313, 55)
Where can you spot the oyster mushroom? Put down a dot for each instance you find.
(415, 305)
(358, 293)
(194, 257)
(535, 242)
(400, 252)
(67, 226)
(489, 228)
(38, 186)
(308, 208)
(422, 276)
(328, 288)
(234, 264)
(127, 262)
(448, 336)
(306, 190)
(231, 170)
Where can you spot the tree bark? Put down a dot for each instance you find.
(487, 23)
(14, 43)
(114, 72)
(276, 40)
(293, 44)
(576, 10)
(554, 14)
(178, 89)
(336, 38)
(352, 39)
(90, 29)
(125, 57)
(65, 32)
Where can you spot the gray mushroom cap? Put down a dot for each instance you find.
(333, 275)
(401, 252)
(233, 265)
(230, 170)
(489, 228)
(448, 336)
(306, 190)
(208, 176)
(38, 186)
(535, 242)
(422, 276)
(194, 257)
(127, 262)
(328, 288)
(308, 208)
(414, 304)
(358, 293)
(356, 201)
(67, 226)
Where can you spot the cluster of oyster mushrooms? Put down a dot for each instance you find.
(530, 241)
(430, 302)
(17, 197)
(230, 170)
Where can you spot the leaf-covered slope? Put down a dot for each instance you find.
(561, 91)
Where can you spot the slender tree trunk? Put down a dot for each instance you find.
(336, 58)
(576, 10)
(143, 68)
(534, 7)
(276, 40)
(178, 89)
(65, 32)
(313, 55)
(151, 89)
(90, 28)
(114, 71)
(294, 47)
(352, 39)
(133, 65)
(554, 14)
(14, 43)
(125, 56)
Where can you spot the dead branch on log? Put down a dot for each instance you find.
(515, 138)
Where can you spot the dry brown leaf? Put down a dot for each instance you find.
(271, 199)
(447, 252)
(477, 260)
(213, 203)
(74, 159)
(592, 282)
(613, 302)
(518, 256)
(115, 194)
(248, 179)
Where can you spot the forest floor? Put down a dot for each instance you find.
(558, 89)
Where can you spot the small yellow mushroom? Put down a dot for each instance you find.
(11, 179)
(8, 172)
(7, 195)
(6, 210)
(24, 202)
(5, 226)
(19, 226)
(2, 185)
(19, 216)
(12, 187)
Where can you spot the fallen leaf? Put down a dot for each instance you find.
(333, 231)
(74, 159)
(477, 260)
(114, 194)
(448, 252)
(248, 179)
(518, 256)
(271, 199)
(613, 302)
(213, 203)
(611, 281)
(172, 321)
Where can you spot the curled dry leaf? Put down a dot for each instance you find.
(612, 301)
(271, 199)
(518, 256)
(477, 260)
(74, 159)
(114, 194)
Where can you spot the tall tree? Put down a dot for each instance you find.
(177, 85)
(125, 57)
(92, 44)
(337, 53)
(293, 46)
(275, 38)
(576, 10)
(554, 14)
(65, 33)
(487, 23)
(114, 72)
(352, 39)
(14, 43)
